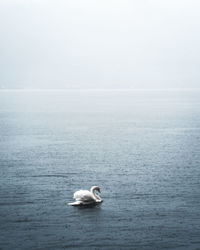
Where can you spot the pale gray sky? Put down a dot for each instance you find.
(99, 44)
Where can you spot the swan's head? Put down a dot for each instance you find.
(95, 188)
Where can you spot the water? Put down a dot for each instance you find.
(140, 147)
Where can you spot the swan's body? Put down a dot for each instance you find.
(85, 197)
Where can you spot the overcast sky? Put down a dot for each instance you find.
(99, 44)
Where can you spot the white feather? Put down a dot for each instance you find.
(84, 195)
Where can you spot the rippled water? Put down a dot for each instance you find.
(141, 147)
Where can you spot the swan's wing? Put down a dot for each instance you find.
(84, 196)
(76, 203)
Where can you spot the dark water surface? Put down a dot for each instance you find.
(141, 147)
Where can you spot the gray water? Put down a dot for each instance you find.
(142, 148)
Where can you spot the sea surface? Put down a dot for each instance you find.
(142, 148)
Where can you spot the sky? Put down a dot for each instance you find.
(99, 44)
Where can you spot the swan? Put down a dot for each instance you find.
(85, 197)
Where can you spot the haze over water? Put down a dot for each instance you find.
(141, 147)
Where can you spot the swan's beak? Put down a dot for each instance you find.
(99, 190)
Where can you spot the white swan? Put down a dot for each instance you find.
(85, 197)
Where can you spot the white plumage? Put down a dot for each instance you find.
(85, 197)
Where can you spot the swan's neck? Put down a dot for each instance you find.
(95, 195)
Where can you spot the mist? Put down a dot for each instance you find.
(99, 44)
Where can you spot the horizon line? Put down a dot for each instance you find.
(95, 89)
